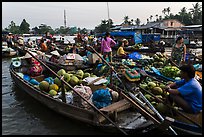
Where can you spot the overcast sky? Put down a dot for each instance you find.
(83, 14)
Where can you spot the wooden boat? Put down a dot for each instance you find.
(125, 116)
(57, 67)
(8, 52)
(21, 50)
(185, 127)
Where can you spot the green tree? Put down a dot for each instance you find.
(150, 18)
(126, 20)
(168, 10)
(182, 13)
(196, 12)
(164, 11)
(13, 28)
(104, 26)
(137, 21)
(43, 28)
(24, 27)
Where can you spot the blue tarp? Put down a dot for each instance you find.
(149, 37)
(134, 56)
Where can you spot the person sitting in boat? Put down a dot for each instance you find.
(74, 49)
(31, 66)
(9, 40)
(55, 56)
(186, 93)
(126, 43)
(178, 53)
(43, 46)
(120, 52)
(20, 41)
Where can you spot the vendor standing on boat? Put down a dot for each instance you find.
(9, 40)
(178, 53)
(30, 66)
(186, 93)
(106, 45)
(55, 56)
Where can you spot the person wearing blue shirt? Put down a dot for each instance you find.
(186, 93)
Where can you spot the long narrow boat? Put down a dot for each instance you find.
(8, 52)
(57, 67)
(126, 117)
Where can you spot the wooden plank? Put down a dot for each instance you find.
(117, 106)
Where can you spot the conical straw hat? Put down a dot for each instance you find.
(55, 53)
(27, 55)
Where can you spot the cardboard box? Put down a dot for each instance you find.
(93, 58)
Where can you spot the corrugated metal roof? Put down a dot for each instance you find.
(192, 26)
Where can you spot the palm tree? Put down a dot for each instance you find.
(168, 10)
(131, 21)
(160, 17)
(150, 17)
(164, 11)
(196, 12)
(126, 18)
(156, 17)
(182, 13)
(137, 21)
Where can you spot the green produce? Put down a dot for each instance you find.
(159, 96)
(154, 103)
(74, 80)
(170, 71)
(143, 86)
(149, 97)
(67, 77)
(61, 72)
(44, 85)
(151, 85)
(53, 92)
(161, 108)
(57, 81)
(80, 74)
(54, 87)
(86, 74)
(157, 90)
(162, 86)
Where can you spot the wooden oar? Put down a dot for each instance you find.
(79, 94)
(160, 100)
